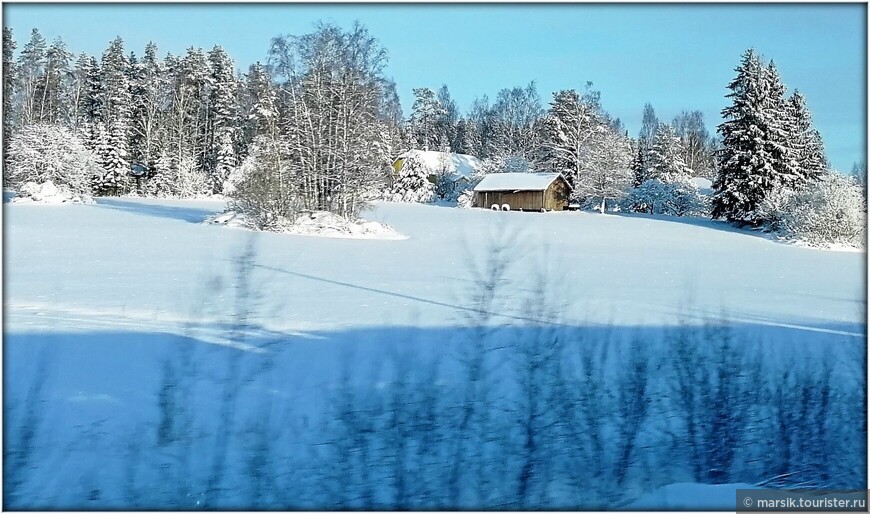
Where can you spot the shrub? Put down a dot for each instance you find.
(830, 210)
(678, 198)
(41, 153)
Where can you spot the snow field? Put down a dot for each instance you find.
(127, 298)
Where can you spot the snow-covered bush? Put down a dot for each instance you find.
(413, 184)
(190, 181)
(772, 211)
(832, 209)
(48, 193)
(263, 190)
(41, 153)
(678, 198)
(465, 199)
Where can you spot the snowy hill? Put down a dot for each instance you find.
(132, 330)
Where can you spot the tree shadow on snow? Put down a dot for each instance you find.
(188, 214)
(720, 225)
(105, 392)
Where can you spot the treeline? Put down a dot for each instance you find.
(321, 107)
(318, 125)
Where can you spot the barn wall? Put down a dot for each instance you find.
(557, 195)
(553, 198)
(527, 200)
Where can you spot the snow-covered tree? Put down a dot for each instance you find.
(222, 122)
(573, 128)
(427, 121)
(115, 107)
(665, 157)
(696, 143)
(638, 165)
(478, 129)
(260, 110)
(52, 85)
(10, 74)
(149, 92)
(264, 188)
(30, 68)
(755, 158)
(448, 124)
(41, 152)
(413, 183)
(333, 92)
(608, 174)
(806, 143)
(516, 123)
(648, 127)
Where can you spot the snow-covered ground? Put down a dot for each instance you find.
(147, 261)
(104, 295)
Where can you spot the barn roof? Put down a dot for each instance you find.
(460, 164)
(517, 181)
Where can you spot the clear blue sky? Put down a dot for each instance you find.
(674, 56)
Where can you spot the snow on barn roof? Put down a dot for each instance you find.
(516, 181)
(460, 164)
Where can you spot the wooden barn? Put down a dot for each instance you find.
(522, 192)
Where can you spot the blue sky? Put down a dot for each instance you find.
(674, 56)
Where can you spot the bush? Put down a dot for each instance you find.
(41, 153)
(830, 210)
(678, 198)
(263, 188)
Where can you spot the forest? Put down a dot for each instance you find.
(317, 126)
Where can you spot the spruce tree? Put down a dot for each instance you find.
(750, 160)
(114, 120)
(223, 115)
(638, 165)
(10, 74)
(665, 158)
(807, 146)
